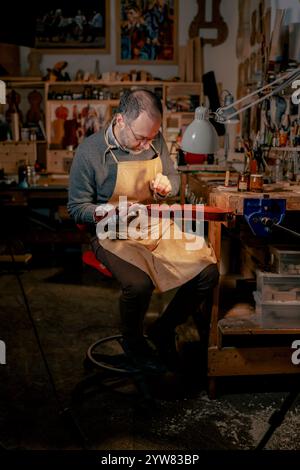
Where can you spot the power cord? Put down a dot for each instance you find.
(277, 418)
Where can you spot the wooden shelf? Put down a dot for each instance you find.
(282, 149)
(25, 258)
(89, 101)
(250, 325)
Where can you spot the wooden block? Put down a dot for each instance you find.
(10, 58)
(284, 296)
(182, 63)
(198, 60)
(190, 61)
(275, 43)
(17, 258)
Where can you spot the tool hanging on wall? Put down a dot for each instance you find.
(217, 22)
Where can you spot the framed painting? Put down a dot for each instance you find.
(73, 26)
(147, 31)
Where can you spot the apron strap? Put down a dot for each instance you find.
(109, 148)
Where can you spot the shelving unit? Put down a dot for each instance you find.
(73, 110)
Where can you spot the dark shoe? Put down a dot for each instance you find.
(142, 356)
(165, 344)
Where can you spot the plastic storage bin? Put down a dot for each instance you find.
(277, 314)
(285, 259)
(278, 287)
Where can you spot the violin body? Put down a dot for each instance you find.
(34, 114)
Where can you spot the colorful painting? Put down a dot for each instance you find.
(147, 31)
(78, 25)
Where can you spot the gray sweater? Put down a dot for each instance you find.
(93, 174)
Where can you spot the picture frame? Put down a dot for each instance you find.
(147, 31)
(73, 27)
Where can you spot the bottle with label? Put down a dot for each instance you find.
(31, 175)
(243, 182)
(278, 174)
(22, 174)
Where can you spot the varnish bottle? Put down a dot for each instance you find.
(243, 182)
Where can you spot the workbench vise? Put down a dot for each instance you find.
(263, 214)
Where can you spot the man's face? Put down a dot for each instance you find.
(137, 135)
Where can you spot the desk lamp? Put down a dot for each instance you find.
(200, 136)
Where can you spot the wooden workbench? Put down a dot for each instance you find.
(245, 359)
(226, 198)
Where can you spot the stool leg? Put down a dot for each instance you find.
(212, 388)
(142, 387)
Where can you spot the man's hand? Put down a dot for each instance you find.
(161, 185)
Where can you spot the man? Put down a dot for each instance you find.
(130, 158)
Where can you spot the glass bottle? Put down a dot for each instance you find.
(278, 174)
(243, 182)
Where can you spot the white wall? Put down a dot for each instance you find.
(221, 59)
(293, 10)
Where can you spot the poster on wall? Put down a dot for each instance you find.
(70, 123)
(146, 31)
(73, 26)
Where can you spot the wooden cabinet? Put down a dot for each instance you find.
(11, 153)
(25, 99)
(59, 161)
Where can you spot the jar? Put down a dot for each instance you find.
(22, 174)
(243, 182)
(256, 183)
(25, 133)
(31, 175)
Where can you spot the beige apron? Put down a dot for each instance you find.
(167, 261)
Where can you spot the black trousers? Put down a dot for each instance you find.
(137, 289)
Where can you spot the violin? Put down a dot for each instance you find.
(34, 114)
(13, 100)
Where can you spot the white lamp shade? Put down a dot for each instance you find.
(200, 136)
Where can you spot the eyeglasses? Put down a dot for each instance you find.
(141, 139)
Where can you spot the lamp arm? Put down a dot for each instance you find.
(290, 77)
(2, 92)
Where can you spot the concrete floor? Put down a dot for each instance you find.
(70, 312)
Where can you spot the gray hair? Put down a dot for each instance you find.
(133, 103)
